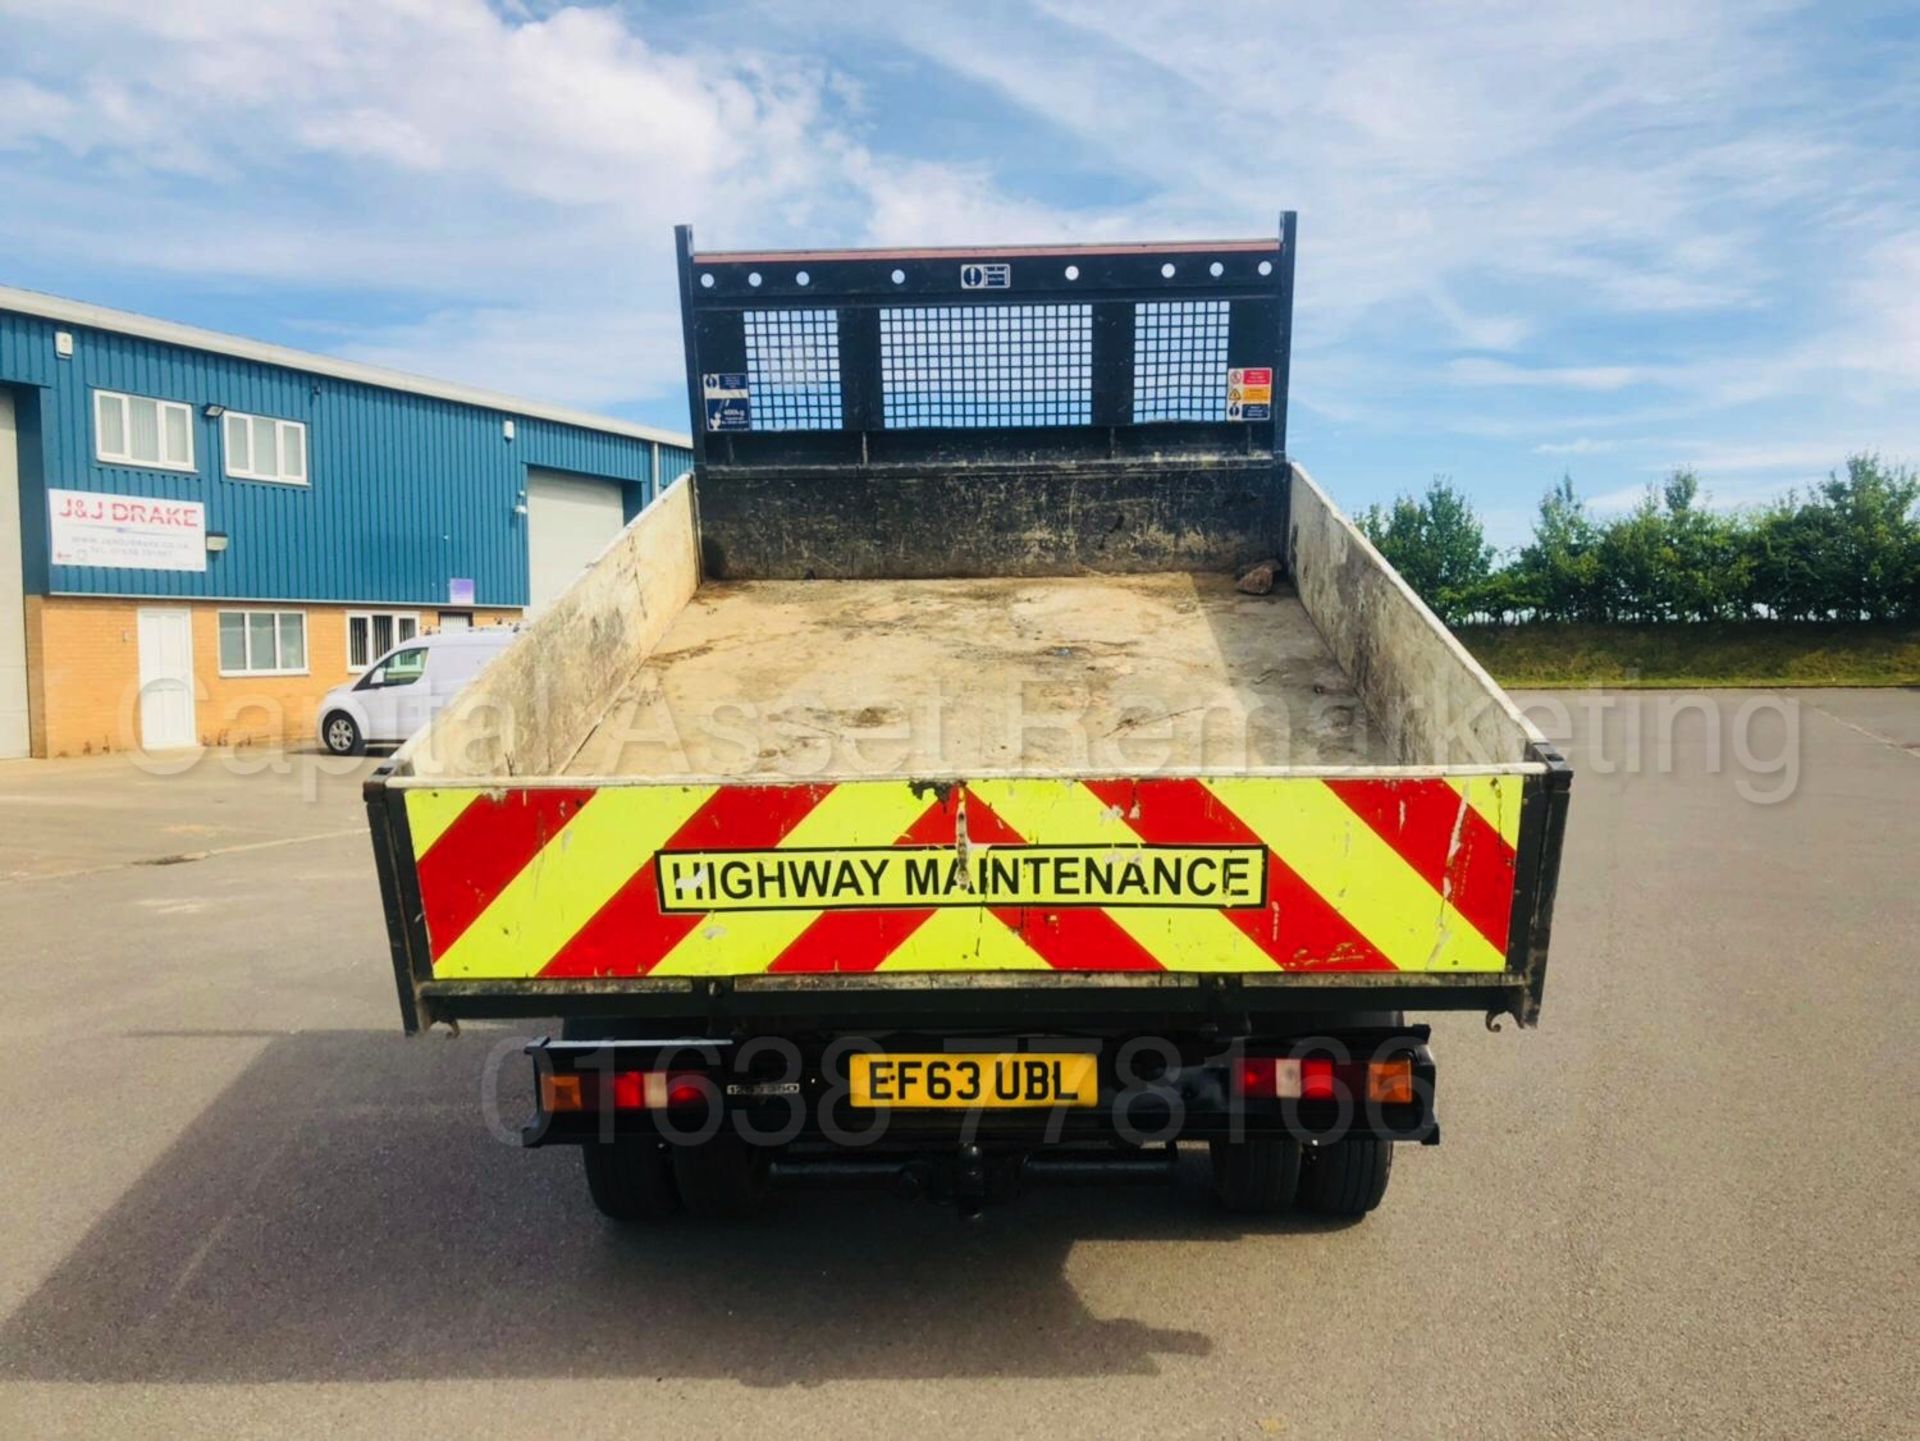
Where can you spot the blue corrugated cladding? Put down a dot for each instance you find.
(405, 492)
(674, 463)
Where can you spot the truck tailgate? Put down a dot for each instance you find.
(1390, 874)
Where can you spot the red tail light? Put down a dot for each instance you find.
(1256, 1076)
(1274, 1076)
(683, 1092)
(1316, 1079)
(657, 1090)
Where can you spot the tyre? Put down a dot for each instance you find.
(630, 1180)
(340, 733)
(1346, 1179)
(723, 1178)
(1256, 1176)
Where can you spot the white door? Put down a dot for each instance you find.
(13, 599)
(380, 704)
(394, 695)
(570, 519)
(166, 678)
(410, 677)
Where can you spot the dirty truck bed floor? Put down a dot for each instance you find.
(836, 678)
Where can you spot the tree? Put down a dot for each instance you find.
(1503, 597)
(1710, 572)
(1560, 568)
(1872, 566)
(1783, 549)
(1849, 550)
(1437, 543)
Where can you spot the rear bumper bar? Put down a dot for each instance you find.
(794, 1095)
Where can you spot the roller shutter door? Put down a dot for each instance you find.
(570, 519)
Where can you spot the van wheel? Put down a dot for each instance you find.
(724, 1177)
(1256, 1176)
(1346, 1179)
(630, 1179)
(340, 733)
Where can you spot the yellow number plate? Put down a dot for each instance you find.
(991, 1081)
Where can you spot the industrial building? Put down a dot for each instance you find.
(200, 534)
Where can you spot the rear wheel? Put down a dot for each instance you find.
(723, 1177)
(1346, 1179)
(1256, 1176)
(630, 1179)
(340, 733)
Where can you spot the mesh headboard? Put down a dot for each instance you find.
(999, 353)
(1015, 410)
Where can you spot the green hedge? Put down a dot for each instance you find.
(1705, 653)
(1847, 550)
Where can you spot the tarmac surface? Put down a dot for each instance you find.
(237, 1200)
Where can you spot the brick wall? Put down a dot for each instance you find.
(83, 674)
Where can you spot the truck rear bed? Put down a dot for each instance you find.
(930, 692)
(1129, 673)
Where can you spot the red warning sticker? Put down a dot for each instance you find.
(1250, 393)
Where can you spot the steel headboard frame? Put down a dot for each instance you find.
(998, 355)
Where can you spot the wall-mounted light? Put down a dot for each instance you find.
(506, 429)
(520, 503)
(216, 541)
(213, 412)
(63, 344)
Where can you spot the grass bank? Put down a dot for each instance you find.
(1749, 653)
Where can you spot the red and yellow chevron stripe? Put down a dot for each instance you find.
(1224, 874)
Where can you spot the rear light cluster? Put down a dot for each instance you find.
(630, 1090)
(1315, 1078)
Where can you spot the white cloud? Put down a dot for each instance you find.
(1585, 445)
(1616, 501)
(1509, 198)
(1417, 144)
(595, 359)
(1807, 457)
(519, 176)
(1641, 160)
(1476, 370)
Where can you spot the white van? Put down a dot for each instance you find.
(402, 691)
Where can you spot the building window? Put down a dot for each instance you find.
(263, 642)
(261, 448)
(372, 633)
(139, 430)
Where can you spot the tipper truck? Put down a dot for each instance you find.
(997, 762)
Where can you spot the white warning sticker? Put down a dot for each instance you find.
(729, 402)
(998, 276)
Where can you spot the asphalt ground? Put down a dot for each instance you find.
(237, 1201)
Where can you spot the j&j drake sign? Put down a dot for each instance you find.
(127, 532)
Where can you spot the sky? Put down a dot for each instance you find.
(1604, 240)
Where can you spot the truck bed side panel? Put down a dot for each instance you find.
(528, 711)
(1436, 703)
